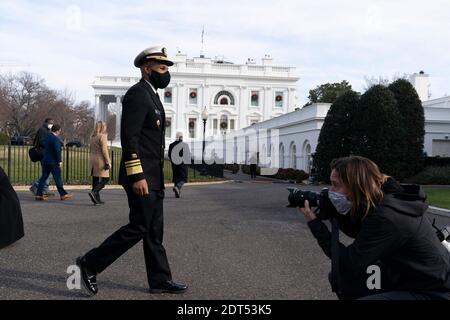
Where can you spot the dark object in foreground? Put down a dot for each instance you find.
(169, 287)
(11, 221)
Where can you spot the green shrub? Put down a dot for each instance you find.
(292, 174)
(432, 175)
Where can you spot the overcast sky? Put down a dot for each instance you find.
(68, 43)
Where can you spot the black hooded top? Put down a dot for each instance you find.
(398, 234)
(11, 223)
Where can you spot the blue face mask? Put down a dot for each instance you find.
(340, 202)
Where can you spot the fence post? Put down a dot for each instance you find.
(112, 165)
(9, 161)
(67, 165)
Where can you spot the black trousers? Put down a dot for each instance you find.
(98, 184)
(146, 223)
(253, 171)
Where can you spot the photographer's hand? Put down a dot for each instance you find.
(307, 212)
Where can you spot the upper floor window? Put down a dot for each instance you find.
(224, 98)
(168, 95)
(255, 99)
(279, 99)
(193, 96)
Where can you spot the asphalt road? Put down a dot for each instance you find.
(228, 241)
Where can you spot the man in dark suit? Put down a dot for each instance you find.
(179, 155)
(141, 175)
(51, 164)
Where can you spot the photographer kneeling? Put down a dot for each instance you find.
(391, 232)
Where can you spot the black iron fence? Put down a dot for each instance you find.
(75, 169)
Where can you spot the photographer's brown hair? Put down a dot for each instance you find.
(363, 180)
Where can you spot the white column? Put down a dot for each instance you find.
(268, 103)
(97, 107)
(101, 109)
(291, 100)
(118, 118)
(243, 108)
(180, 108)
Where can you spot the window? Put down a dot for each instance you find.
(169, 128)
(192, 128)
(193, 96)
(232, 125)
(224, 101)
(252, 122)
(168, 95)
(279, 99)
(224, 95)
(255, 99)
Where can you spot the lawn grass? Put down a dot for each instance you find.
(439, 197)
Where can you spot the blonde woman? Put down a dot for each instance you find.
(392, 235)
(99, 161)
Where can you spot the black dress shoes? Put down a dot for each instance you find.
(88, 279)
(92, 196)
(169, 287)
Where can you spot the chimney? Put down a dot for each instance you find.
(421, 82)
(267, 60)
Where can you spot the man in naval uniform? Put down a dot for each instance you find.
(141, 175)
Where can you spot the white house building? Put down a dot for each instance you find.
(235, 95)
(248, 98)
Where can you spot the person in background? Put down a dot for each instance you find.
(179, 166)
(11, 221)
(253, 165)
(39, 142)
(51, 164)
(99, 161)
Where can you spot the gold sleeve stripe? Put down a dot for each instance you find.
(132, 162)
(137, 165)
(134, 170)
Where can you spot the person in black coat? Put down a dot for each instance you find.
(141, 175)
(11, 221)
(41, 135)
(179, 155)
(391, 233)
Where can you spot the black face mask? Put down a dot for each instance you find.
(158, 80)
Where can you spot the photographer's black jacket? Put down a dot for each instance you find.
(142, 136)
(399, 235)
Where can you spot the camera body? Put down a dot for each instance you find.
(320, 200)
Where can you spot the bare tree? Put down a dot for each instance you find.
(83, 121)
(111, 124)
(23, 99)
